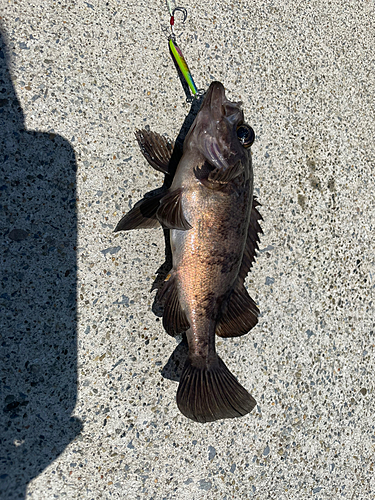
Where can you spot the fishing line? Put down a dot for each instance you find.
(175, 50)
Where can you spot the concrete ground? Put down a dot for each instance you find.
(88, 387)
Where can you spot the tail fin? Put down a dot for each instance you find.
(211, 393)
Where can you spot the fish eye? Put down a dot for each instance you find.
(246, 135)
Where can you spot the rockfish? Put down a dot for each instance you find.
(210, 211)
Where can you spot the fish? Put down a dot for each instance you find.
(208, 208)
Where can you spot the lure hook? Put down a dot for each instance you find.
(180, 9)
(171, 22)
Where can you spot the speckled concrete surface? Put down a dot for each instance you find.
(88, 397)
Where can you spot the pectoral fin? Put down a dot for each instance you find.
(170, 212)
(225, 175)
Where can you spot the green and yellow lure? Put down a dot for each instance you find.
(182, 64)
(176, 51)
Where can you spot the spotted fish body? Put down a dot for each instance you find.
(213, 222)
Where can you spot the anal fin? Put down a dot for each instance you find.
(174, 318)
(239, 315)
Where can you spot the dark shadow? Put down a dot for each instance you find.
(38, 322)
(175, 364)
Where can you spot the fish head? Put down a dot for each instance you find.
(220, 137)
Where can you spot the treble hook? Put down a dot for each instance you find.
(171, 22)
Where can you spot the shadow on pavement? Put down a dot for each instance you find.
(38, 320)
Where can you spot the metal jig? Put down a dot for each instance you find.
(176, 51)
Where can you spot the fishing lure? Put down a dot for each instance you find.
(182, 64)
(176, 51)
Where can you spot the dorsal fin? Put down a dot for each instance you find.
(251, 242)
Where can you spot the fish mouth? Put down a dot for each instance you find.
(219, 106)
(214, 133)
